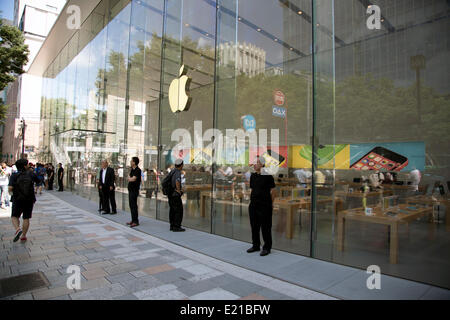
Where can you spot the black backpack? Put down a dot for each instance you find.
(24, 187)
(166, 184)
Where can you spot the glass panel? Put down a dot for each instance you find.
(391, 141)
(188, 41)
(264, 93)
(143, 92)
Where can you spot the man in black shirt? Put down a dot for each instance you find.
(175, 203)
(261, 207)
(60, 177)
(21, 185)
(134, 182)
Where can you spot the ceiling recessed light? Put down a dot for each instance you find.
(186, 24)
(291, 49)
(275, 39)
(259, 29)
(300, 12)
(207, 34)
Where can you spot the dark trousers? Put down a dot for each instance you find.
(261, 220)
(100, 199)
(175, 212)
(50, 184)
(132, 199)
(60, 184)
(107, 197)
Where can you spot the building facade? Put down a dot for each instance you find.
(34, 19)
(339, 97)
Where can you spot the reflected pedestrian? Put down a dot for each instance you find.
(60, 177)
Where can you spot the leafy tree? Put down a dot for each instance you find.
(13, 56)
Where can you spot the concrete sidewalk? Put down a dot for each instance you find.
(331, 279)
(118, 262)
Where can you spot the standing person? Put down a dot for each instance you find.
(4, 181)
(107, 186)
(175, 203)
(60, 177)
(51, 176)
(134, 182)
(23, 198)
(261, 207)
(40, 172)
(46, 176)
(100, 192)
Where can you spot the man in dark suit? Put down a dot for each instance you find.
(107, 187)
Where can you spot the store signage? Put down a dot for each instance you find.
(249, 123)
(278, 98)
(179, 99)
(279, 112)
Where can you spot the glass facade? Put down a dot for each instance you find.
(348, 101)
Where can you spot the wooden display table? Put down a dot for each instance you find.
(430, 200)
(379, 217)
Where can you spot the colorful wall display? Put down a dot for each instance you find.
(301, 156)
(392, 156)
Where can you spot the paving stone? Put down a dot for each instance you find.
(242, 288)
(172, 275)
(95, 283)
(126, 297)
(27, 296)
(52, 293)
(103, 293)
(190, 289)
(142, 283)
(94, 273)
(273, 295)
(215, 294)
(121, 277)
(121, 268)
(158, 269)
(139, 273)
(96, 265)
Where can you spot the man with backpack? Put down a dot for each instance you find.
(40, 173)
(21, 185)
(172, 189)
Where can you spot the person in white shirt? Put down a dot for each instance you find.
(303, 176)
(376, 179)
(319, 177)
(4, 181)
(415, 177)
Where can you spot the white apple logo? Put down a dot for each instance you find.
(179, 99)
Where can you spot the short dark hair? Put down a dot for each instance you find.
(135, 160)
(21, 163)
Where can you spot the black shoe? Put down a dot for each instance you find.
(17, 235)
(252, 249)
(171, 228)
(264, 252)
(178, 230)
(104, 212)
(114, 212)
